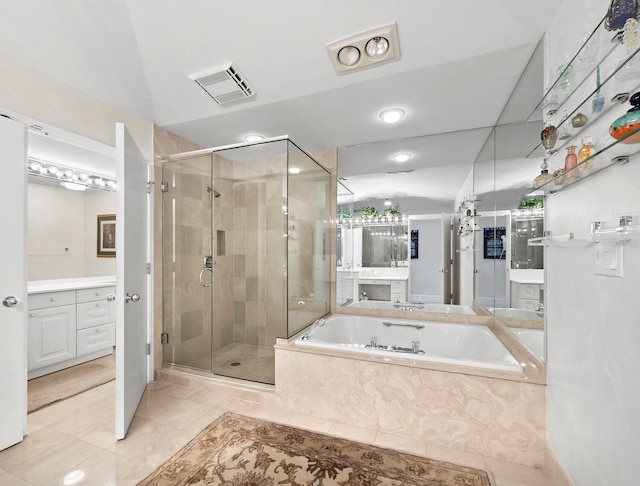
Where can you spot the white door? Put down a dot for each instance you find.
(13, 283)
(447, 260)
(132, 295)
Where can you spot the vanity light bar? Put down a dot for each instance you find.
(53, 171)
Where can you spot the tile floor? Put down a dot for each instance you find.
(72, 442)
(255, 363)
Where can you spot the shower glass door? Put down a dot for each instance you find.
(187, 261)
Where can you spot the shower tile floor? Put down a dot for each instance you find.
(246, 362)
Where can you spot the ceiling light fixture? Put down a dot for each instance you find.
(392, 115)
(253, 138)
(387, 203)
(69, 177)
(294, 170)
(367, 49)
(401, 157)
(74, 186)
(399, 172)
(377, 47)
(349, 55)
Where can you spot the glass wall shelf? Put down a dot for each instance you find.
(375, 221)
(585, 66)
(588, 56)
(619, 235)
(619, 152)
(548, 240)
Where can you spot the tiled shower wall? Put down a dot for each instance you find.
(259, 251)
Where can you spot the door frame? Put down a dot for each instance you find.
(74, 139)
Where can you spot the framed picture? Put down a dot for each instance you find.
(414, 244)
(494, 243)
(106, 235)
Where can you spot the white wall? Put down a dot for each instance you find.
(593, 329)
(30, 93)
(425, 279)
(63, 232)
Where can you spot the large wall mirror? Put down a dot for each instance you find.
(448, 227)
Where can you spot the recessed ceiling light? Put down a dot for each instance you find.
(377, 47)
(401, 157)
(387, 203)
(392, 115)
(349, 55)
(253, 138)
(294, 170)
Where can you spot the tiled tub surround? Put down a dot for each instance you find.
(491, 416)
(494, 413)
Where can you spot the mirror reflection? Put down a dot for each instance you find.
(462, 217)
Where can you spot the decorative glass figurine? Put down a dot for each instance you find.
(549, 136)
(630, 69)
(618, 13)
(570, 161)
(628, 123)
(543, 177)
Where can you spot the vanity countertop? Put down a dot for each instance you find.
(527, 276)
(40, 286)
(382, 277)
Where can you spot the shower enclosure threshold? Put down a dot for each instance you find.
(181, 375)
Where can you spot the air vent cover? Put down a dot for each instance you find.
(224, 84)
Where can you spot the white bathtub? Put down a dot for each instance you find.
(442, 308)
(451, 343)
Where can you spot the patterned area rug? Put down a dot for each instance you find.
(237, 451)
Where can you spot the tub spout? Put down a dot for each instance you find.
(415, 346)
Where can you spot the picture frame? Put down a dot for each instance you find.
(106, 236)
(414, 244)
(494, 243)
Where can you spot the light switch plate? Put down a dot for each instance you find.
(609, 260)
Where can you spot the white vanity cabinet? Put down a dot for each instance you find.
(71, 326)
(95, 319)
(526, 295)
(52, 328)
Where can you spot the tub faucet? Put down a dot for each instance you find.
(415, 346)
(363, 296)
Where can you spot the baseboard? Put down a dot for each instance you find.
(553, 470)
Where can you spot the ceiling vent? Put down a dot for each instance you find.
(224, 84)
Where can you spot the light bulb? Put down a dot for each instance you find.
(401, 157)
(392, 115)
(377, 47)
(349, 55)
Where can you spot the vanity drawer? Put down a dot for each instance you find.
(51, 299)
(96, 338)
(398, 286)
(96, 313)
(99, 293)
(529, 291)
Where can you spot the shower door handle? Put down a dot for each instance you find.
(202, 272)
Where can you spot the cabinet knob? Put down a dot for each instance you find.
(52, 299)
(32, 314)
(97, 305)
(97, 294)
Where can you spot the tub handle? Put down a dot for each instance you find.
(403, 324)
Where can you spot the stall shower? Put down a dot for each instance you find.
(245, 254)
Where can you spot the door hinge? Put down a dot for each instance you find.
(148, 348)
(164, 186)
(148, 268)
(149, 186)
(164, 338)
